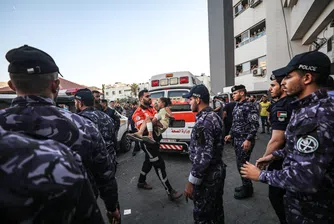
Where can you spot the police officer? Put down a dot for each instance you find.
(206, 180)
(308, 168)
(152, 153)
(34, 77)
(244, 128)
(112, 113)
(43, 182)
(84, 104)
(228, 116)
(280, 113)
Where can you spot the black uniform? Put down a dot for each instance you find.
(229, 117)
(117, 122)
(280, 114)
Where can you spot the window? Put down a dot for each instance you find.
(258, 30)
(107, 93)
(157, 95)
(120, 92)
(240, 7)
(263, 62)
(113, 93)
(238, 69)
(179, 93)
(176, 96)
(250, 66)
(242, 39)
(254, 64)
(253, 33)
(246, 67)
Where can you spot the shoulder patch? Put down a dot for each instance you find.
(255, 117)
(282, 115)
(307, 144)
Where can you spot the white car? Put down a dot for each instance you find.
(122, 140)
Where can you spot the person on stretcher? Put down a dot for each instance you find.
(161, 119)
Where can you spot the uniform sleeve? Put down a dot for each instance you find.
(204, 152)
(280, 153)
(280, 117)
(253, 117)
(116, 118)
(307, 170)
(103, 170)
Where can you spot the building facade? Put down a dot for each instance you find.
(267, 34)
(121, 90)
(205, 80)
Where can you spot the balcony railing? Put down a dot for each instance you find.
(252, 38)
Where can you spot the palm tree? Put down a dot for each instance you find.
(134, 89)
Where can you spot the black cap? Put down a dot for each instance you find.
(199, 91)
(313, 61)
(85, 95)
(237, 87)
(30, 60)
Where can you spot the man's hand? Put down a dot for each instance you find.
(114, 217)
(188, 191)
(263, 162)
(250, 171)
(228, 138)
(246, 145)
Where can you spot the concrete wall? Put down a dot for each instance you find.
(249, 18)
(255, 49)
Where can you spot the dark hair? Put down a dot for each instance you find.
(167, 102)
(319, 79)
(243, 90)
(135, 103)
(206, 100)
(95, 91)
(88, 102)
(30, 84)
(104, 101)
(330, 83)
(141, 93)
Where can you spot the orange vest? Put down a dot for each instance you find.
(140, 115)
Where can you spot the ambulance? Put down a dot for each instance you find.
(173, 85)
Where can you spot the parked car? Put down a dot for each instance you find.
(123, 142)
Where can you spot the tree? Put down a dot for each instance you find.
(134, 89)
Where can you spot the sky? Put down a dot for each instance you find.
(107, 41)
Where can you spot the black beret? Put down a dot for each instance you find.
(237, 87)
(30, 60)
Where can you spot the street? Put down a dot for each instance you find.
(153, 206)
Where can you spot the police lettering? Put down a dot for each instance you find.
(308, 68)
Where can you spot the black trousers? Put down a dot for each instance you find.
(276, 194)
(153, 158)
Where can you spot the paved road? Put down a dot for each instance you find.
(154, 207)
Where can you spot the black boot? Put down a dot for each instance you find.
(246, 192)
(238, 189)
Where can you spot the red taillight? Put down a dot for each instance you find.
(184, 79)
(155, 83)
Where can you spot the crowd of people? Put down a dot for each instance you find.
(54, 163)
